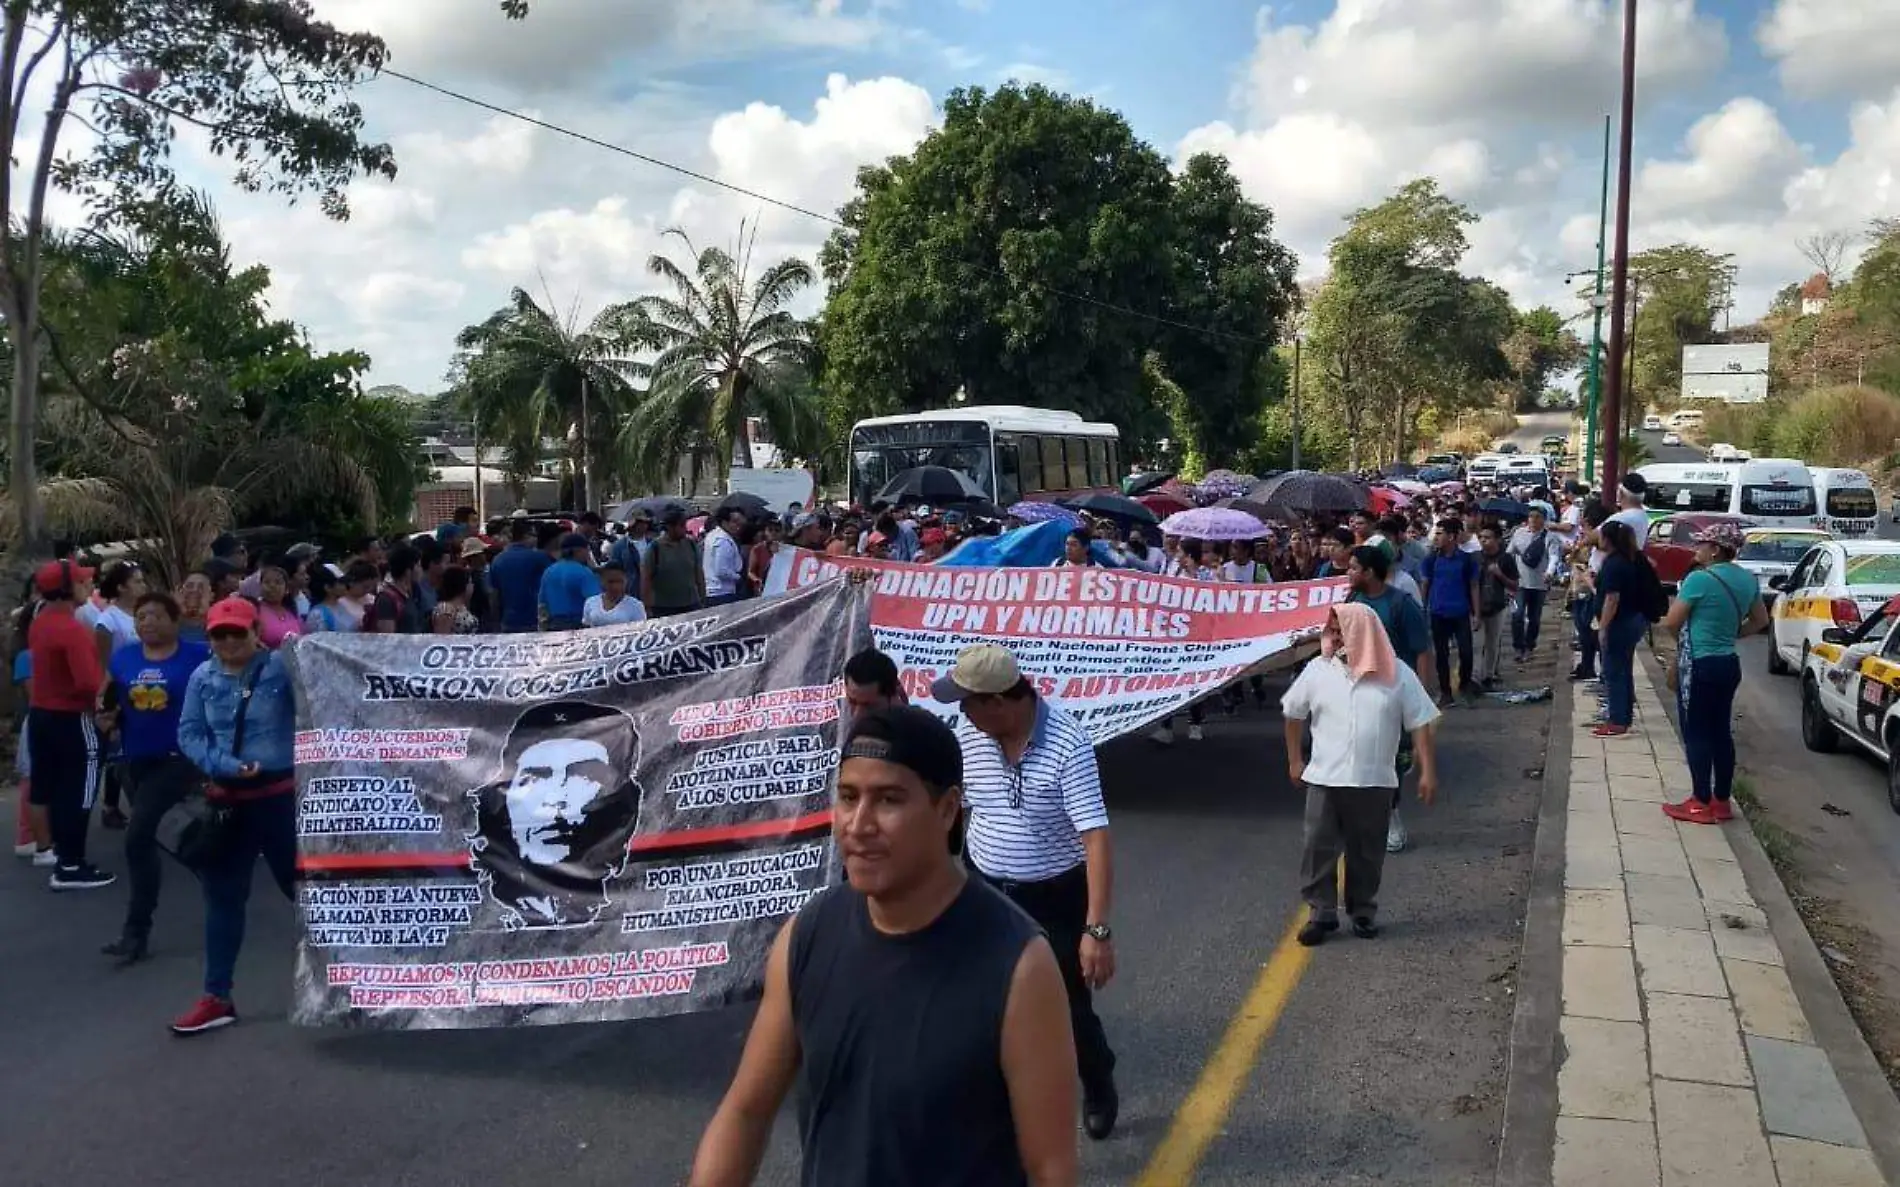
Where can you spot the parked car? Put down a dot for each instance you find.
(1671, 545)
(1509, 447)
(1850, 686)
(1722, 451)
(1672, 438)
(1837, 584)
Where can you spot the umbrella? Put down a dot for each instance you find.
(1213, 523)
(1410, 486)
(1114, 507)
(1385, 500)
(744, 502)
(1505, 508)
(1164, 504)
(928, 484)
(655, 505)
(1141, 484)
(1302, 492)
(1223, 484)
(1258, 510)
(1044, 513)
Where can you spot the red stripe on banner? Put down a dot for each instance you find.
(321, 862)
(720, 834)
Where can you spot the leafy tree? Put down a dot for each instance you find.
(1678, 290)
(265, 80)
(1000, 258)
(1418, 220)
(726, 349)
(1541, 346)
(528, 374)
(1233, 291)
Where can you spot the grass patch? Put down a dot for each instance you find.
(1778, 843)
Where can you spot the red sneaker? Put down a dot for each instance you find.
(1722, 810)
(209, 1014)
(1606, 730)
(1690, 811)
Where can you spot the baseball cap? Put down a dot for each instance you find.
(877, 538)
(237, 612)
(574, 540)
(54, 576)
(983, 669)
(909, 737)
(1635, 483)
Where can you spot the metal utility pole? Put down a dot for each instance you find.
(1620, 267)
(587, 455)
(1296, 401)
(1596, 322)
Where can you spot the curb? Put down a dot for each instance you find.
(1835, 1030)
(1528, 1145)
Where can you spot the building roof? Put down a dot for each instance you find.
(1817, 286)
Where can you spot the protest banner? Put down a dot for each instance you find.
(1117, 648)
(573, 827)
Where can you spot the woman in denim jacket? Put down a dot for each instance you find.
(254, 778)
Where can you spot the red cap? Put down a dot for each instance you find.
(237, 612)
(59, 576)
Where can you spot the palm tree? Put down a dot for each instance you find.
(529, 375)
(725, 348)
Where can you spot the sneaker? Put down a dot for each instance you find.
(26, 849)
(1195, 733)
(1690, 811)
(1395, 837)
(209, 1014)
(1606, 730)
(80, 877)
(1163, 736)
(1364, 927)
(1722, 810)
(46, 859)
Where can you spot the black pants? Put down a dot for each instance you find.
(66, 777)
(155, 784)
(1447, 628)
(1061, 906)
(1581, 612)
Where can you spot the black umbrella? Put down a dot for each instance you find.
(744, 502)
(1113, 507)
(1302, 492)
(1141, 484)
(1505, 508)
(928, 484)
(655, 505)
(1259, 511)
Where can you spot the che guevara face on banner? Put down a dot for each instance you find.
(552, 828)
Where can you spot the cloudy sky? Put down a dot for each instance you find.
(1759, 122)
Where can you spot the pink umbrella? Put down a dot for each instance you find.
(1213, 523)
(1385, 500)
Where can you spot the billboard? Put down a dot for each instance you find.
(1732, 374)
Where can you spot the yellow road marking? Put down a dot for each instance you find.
(1201, 1116)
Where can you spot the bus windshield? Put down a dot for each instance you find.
(881, 452)
(1688, 496)
(1784, 499)
(1852, 502)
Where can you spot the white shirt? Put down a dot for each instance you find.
(1638, 521)
(1026, 821)
(120, 624)
(1402, 581)
(723, 566)
(628, 609)
(1355, 724)
(1528, 576)
(1244, 573)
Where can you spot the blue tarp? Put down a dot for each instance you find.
(1035, 546)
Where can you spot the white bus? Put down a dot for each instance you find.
(1847, 500)
(1773, 492)
(1011, 452)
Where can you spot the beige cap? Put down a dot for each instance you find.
(983, 669)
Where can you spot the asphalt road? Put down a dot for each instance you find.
(1387, 1065)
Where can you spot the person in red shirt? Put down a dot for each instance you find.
(67, 677)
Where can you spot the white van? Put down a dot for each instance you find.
(1847, 500)
(1685, 417)
(1722, 451)
(1773, 492)
(1652, 424)
(1531, 469)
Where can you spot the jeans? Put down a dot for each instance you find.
(1706, 700)
(265, 827)
(1061, 905)
(1527, 617)
(1447, 628)
(155, 785)
(1619, 666)
(1581, 612)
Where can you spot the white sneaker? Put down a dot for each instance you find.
(1163, 736)
(1195, 734)
(26, 849)
(46, 859)
(1395, 834)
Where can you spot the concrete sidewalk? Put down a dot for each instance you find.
(1687, 1060)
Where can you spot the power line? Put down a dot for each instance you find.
(792, 207)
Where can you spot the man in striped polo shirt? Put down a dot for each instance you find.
(1038, 831)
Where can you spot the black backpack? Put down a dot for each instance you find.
(1653, 599)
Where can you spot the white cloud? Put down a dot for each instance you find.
(389, 296)
(1739, 158)
(1834, 47)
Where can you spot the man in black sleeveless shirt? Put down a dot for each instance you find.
(920, 1012)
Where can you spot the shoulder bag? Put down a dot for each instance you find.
(1672, 676)
(197, 830)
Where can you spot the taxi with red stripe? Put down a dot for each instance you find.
(1850, 690)
(1835, 586)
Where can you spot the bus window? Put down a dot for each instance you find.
(1851, 502)
(1688, 496)
(1029, 453)
(1786, 499)
(1009, 487)
(1077, 449)
(1098, 463)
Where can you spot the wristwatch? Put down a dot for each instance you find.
(1098, 931)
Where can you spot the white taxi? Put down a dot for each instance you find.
(1850, 688)
(1836, 585)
